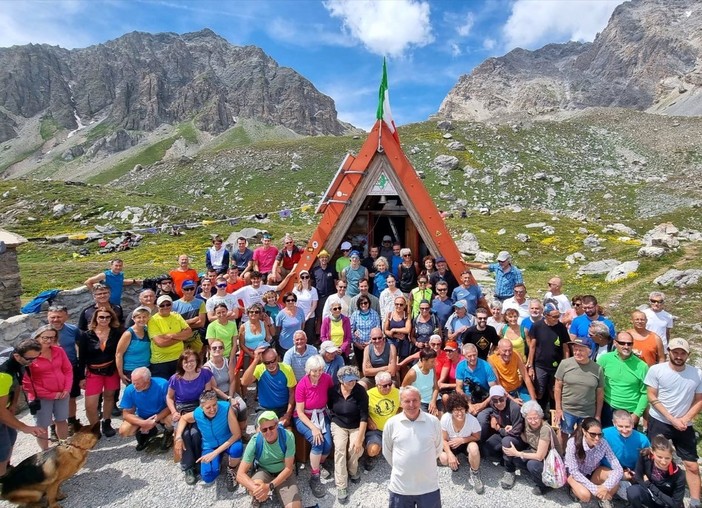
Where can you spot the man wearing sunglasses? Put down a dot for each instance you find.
(13, 362)
(286, 259)
(659, 321)
(221, 296)
(168, 330)
(273, 468)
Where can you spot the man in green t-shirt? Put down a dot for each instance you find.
(273, 468)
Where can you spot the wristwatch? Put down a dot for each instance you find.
(271, 486)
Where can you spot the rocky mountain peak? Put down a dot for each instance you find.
(649, 57)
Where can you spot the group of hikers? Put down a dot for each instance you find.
(377, 353)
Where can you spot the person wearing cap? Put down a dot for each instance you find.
(344, 259)
(548, 345)
(242, 258)
(296, 357)
(286, 259)
(183, 273)
(468, 291)
(324, 280)
(503, 419)
(114, 279)
(506, 274)
(264, 257)
(481, 334)
(442, 273)
(578, 389)
(675, 398)
(383, 403)
(511, 373)
(445, 367)
(333, 360)
(412, 442)
(624, 376)
(273, 470)
(167, 331)
(386, 247)
(194, 311)
(354, 273)
(276, 383)
(458, 322)
(101, 297)
(348, 403)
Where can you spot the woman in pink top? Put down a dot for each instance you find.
(312, 418)
(47, 383)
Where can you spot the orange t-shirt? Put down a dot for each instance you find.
(647, 349)
(180, 277)
(507, 373)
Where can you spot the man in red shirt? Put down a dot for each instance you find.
(183, 273)
(286, 259)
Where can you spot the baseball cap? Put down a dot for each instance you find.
(440, 259)
(328, 347)
(503, 255)
(263, 345)
(679, 344)
(460, 304)
(346, 246)
(497, 391)
(267, 416)
(304, 271)
(188, 284)
(355, 253)
(387, 238)
(451, 345)
(163, 298)
(579, 341)
(349, 376)
(267, 236)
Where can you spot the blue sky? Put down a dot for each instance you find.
(337, 44)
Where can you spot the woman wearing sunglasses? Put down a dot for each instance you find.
(97, 367)
(587, 479)
(307, 300)
(288, 321)
(337, 328)
(226, 381)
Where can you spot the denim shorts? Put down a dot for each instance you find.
(569, 422)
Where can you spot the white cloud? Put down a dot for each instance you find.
(489, 44)
(464, 29)
(385, 28)
(285, 30)
(455, 49)
(534, 22)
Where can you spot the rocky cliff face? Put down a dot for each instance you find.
(140, 81)
(649, 57)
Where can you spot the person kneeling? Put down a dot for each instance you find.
(220, 433)
(460, 431)
(659, 482)
(272, 449)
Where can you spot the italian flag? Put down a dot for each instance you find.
(384, 113)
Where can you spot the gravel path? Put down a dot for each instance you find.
(116, 475)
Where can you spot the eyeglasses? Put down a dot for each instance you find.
(481, 319)
(628, 344)
(441, 290)
(165, 305)
(424, 308)
(421, 282)
(655, 301)
(289, 243)
(107, 318)
(30, 360)
(221, 285)
(290, 300)
(498, 400)
(376, 339)
(399, 304)
(594, 435)
(44, 337)
(385, 386)
(270, 362)
(435, 344)
(341, 287)
(304, 276)
(407, 255)
(216, 348)
(364, 303)
(577, 305)
(188, 289)
(336, 308)
(254, 312)
(553, 316)
(450, 350)
(266, 430)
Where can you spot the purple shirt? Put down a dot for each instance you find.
(187, 392)
(314, 396)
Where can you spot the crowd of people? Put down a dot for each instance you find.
(375, 354)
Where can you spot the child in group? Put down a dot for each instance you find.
(659, 482)
(270, 304)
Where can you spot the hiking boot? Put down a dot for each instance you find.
(342, 495)
(355, 478)
(605, 503)
(232, 484)
(166, 440)
(54, 436)
(477, 482)
(107, 429)
(255, 503)
(369, 463)
(316, 486)
(507, 481)
(538, 490)
(190, 476)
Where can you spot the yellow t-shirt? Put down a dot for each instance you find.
(159, 325)
(382, 407)
(336, 332)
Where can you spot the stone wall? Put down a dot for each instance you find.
(18, 327)
(10, 284)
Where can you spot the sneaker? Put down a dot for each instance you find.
(190, 476)
(539, 491)
(507, 481)
(107, 429)
(232, 484)
(477, 482)
(316, 486)
(369, 463)
(54, 436)
(255, 503)
(342, 495)
(605, 503)
(355, 478)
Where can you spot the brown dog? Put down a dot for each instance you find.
(43, 473)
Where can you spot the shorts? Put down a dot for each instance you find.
(75, 387)
(569, 422)
(51, 410)
(685, 442)
(287, 491)
(95, 384)
(374, 437)
(163, 370)
(8, 436)
(194, 343)
(428, 500)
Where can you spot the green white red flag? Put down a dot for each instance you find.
(384, 113)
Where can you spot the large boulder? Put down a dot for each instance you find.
(468, 243)
(622, 271)
(679, 278)
(445, 163)
(598, 267)
(651, 252)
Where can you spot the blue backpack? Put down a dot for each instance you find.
(35, 305)
(282, 442)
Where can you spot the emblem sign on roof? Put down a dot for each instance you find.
(383, 187)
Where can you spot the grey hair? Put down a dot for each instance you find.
(208, 395)
(469, 347)
(405, 251)
(496, 304)
(599, 328)
(348, 369)
(299, 332)
(381, 260)
(410, 388)
(531, 406)
(315, 362)
(621, 414)
(656, 294)
(143, 372)
(382, 376)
